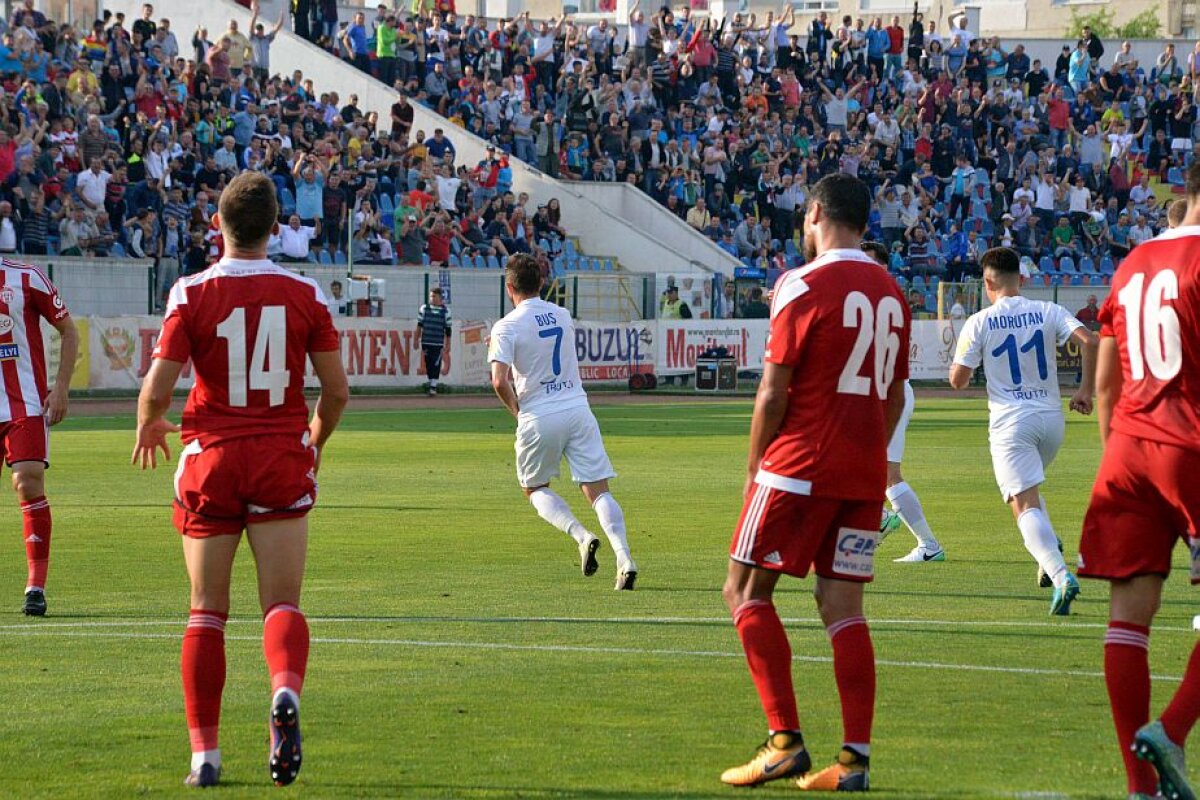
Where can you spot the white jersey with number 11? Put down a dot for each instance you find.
(1016, 340)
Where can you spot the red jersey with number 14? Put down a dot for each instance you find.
(26, 298)
(247, 327)
(841, 323)
(1154, 312)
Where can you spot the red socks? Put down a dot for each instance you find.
(770, 658)
(854, 669)
(36, 514)
(1184, 708)
(285, 644)
(1127, 675)
(203, 667)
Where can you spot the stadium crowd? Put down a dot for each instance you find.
(965, 141)
(119, 139)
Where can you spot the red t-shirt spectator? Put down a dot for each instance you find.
(439, 247)
(895, 40)
(1059, 114)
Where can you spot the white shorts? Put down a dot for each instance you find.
(895, 453)
(543, 441)
(1022, 450)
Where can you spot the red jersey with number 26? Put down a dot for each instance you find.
(1154, 312)
(247, 327)
(841, 323)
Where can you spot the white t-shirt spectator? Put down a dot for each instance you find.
(544, 44)
(1080, 199)
(639, 34)
(8, 236)
(447, 191)
(1044, 195)
(1119, 144)
(92, 187)
(1139, 195)
(295, 240)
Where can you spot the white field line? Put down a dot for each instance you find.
(563, 648)
(418, 619)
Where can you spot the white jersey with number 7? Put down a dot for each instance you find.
(537, 339)
(1016, 341)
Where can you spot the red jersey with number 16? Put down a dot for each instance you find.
(26, 298)
(247, 327)
(841, 323)
(1154, 312)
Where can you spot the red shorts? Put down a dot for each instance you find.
(222, 488)
(25, 439)
(1146, 498)
(788, 532)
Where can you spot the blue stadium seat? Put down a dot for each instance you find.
(1077, 280)
(425, 259)
(1046, 265)
(480, 263)
(1066, 265)
(324, 258)
(931, 302)
(1106, 266)
(453, 261)
(1175, 176)
(287, 201)
(116, 251)
(609, 266)
(492, 262)
(918, 283)
(789, 248)
(1087, 266)
(339, 257)
(569, 249)
(385, 204)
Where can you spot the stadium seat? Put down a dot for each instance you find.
(1087, 266)
(789, 248)
(1066, 265)
(425, 259)
(453, 261)
(492, 262)
(1046, 265)
(1175, 176)
(385, 204)
(287, 201)
(480, 263)
(1106, 266)
(324, 258)
(918, 283)
(339, 257)
(609, 266)
(1077, 280)
(931, 302)
(569, 249)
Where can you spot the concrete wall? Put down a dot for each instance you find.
(652, 240)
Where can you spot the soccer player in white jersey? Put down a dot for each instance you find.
(1015, 340)
(906, 506)
(535, 373)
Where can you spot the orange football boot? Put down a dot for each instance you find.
(782, 755)
(848, 774)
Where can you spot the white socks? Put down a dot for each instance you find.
(555, 510)
(612, 520)
(199, 759)
(908, 506)
(1042, 544)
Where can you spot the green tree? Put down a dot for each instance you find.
(1101, 23)
(1143, 26)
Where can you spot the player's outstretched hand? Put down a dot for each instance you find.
(1081, 402)
(56, 406)
(152, 437)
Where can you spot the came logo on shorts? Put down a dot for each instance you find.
(9, 352)
(855, 553)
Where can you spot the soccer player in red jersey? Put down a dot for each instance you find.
(27, 409)
(831, 393)
(1147, 492)
(249, 461)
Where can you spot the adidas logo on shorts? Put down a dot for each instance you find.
(34, 538)
(773, 557)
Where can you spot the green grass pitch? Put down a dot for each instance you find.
(458, 653)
